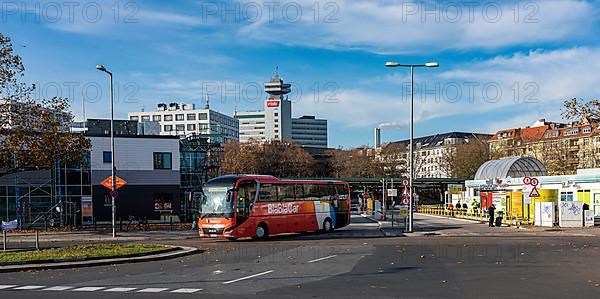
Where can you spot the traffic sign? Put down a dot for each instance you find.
(405, 201)
(405, 182)
(403, 213)
(534, 192)
(114, 194)
(527, 180)
(392, 192)
(535, 182)
(119, 182)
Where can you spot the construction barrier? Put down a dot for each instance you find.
(472, 214)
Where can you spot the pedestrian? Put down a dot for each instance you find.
(491, 211)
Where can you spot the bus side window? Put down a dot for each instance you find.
(268, 192)
(286, 192)
(246, 194)
(341, 191)
(300, 192)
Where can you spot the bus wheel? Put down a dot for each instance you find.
(262, 232)
(327, 226)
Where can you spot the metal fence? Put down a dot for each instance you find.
(473, 214)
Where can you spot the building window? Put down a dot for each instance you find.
(179, 128)
(276, 114)
(146, 118)
(276, 120)
(134, 118)
(191, 116)
(202, 116)
(169, 117)
(162, 160)
(587, 130)
(156, 118)
(106, 157)
(168, 128)
(179, 117)
(191, 127)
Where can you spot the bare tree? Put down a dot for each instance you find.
(463, 160)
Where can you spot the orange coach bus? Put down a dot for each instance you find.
(257, 206)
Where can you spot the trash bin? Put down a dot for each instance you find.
(499, 218)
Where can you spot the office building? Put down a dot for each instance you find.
(182, 120)
(275, 122)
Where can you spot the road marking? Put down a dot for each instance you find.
(7, 286)
(248, 277)
(120, 289)
(58, 288)
(323, 258)
(88, 289)
(152, 290)
(23, 288)
(186, 291)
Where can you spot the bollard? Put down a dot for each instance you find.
(37, 240)
(3, 240)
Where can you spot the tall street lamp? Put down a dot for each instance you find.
(112, 152)
(410, 155)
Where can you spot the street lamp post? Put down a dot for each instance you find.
(112, 153)
(410, 155)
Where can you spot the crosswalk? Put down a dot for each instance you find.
(97, 289)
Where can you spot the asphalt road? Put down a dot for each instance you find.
(444, 259)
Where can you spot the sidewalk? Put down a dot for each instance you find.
(387, 227)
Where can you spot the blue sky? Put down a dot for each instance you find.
(503, 63)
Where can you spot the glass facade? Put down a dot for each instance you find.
(45, 197)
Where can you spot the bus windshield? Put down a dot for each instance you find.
(217, 202)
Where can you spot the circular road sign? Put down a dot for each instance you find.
(534, 182)
(114, 194)
(405, 201)
(405, 182)
(527, 180)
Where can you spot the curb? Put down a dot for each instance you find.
(382, 228)
(183, 251)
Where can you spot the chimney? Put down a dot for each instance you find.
(377, 137)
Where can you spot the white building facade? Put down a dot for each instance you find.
(275, 122)
(184, 119)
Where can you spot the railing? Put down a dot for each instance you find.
(472, 214)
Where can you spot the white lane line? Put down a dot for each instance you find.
(152, 290)
(58, 288)
(323, 258)
(24, 288)
(7, 286)
(248, 277)
(120, 289)
(186, 291)
(88, 289)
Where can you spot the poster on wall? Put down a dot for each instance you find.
(544, 214)
(499, 201)
(87, 210)
(589, 218)
(570, 214)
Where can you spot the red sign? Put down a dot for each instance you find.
(272, 103)
(108, 182)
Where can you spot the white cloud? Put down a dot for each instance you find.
(543, 80)
(400, 26)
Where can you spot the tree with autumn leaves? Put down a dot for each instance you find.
(278, 158)
(34, 133)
